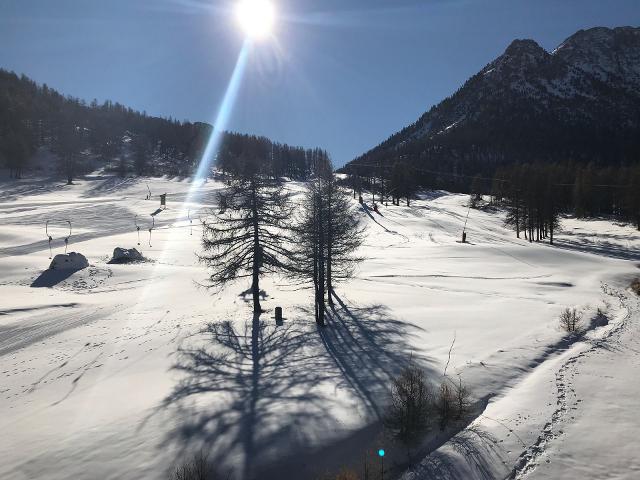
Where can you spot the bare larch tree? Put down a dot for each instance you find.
(328, 235)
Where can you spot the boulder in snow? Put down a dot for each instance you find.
(69, 261)
(126, 255)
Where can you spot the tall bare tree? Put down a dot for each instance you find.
(328, 235)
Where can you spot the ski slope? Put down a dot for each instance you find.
(121, 371)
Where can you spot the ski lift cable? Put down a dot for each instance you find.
(447, 174)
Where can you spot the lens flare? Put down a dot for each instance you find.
(255, 17)
(224, 113)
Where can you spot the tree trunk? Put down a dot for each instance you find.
(329, 246)
(257, 254)
(517, 216)
(321, 265)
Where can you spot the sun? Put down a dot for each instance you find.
(256, 17)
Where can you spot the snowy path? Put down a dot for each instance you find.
(597, 436)
(573, 417)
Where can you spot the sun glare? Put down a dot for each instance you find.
(256, 17)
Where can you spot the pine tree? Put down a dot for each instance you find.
(68, 144)
(246, 238)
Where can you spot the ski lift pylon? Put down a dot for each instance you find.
(135, 220)
(66, 240)
(152, 226)
(46, 231)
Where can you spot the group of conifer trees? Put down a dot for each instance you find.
(119, 138)
(256, 231)
(536, 194)
(393, 182)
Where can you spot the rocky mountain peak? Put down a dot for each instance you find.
(582, 102)
(528, 47)
(519, 56)
(608, 54)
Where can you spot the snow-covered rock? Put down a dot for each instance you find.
(126, 255)
(69, 261)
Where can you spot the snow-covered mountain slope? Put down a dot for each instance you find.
(610, 55)
(120, 371)
(580, 102)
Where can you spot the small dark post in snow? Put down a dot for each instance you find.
(163, 200)
(464, 229)
(279, 321)
(360, 199)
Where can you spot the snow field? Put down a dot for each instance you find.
(119, 371)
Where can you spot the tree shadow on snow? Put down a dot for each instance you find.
(258, 398)
(369, 348)
(109, 184)
(472, 454)
(247, 295)
(606, 246)
(264, 374)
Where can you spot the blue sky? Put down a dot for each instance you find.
(342, 75)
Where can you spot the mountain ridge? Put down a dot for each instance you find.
(579, 102)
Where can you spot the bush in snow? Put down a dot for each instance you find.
(463, 401)
(196, 468)
(452, 402)
(571, 320)
(410, 407)
(635, 286)
(445, 403)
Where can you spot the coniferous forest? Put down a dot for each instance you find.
(122, 139)
(535, 194)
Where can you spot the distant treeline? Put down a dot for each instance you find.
(124, 139)
(534, 193)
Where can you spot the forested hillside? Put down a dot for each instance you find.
(579, 103)
(563, 124)
(116, 137)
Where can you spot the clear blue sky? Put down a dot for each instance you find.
(342, 74)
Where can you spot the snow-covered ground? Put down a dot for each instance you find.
(120, 371)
